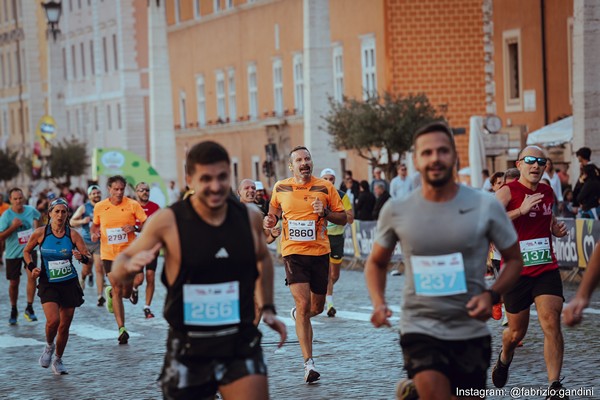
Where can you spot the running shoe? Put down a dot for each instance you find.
(406, 390)
(556, 391)
(101, 301)
(13, 317)
(123, 335)
(46, 357)
(497, 311)
(134, 296)
(310, 373)
(293, 313)
(30, 315)
(331, 310)
(500, 373)
(109, 301)
(148, 313)
(58, 367)
(91, 280)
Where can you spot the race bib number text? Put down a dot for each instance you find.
(439, 275)
(24, 236)
(116, 236)
(212, 304)
(535, 251)
(59, 269)
(302, 231)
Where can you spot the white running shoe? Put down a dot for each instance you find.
(58, 367)
(293, 313)
(310, 373)
(46, 357)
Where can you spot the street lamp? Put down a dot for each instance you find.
(53, 10)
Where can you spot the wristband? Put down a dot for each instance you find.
(85, 259)
(136, 228)
(31, 266)
(495, 296)
(273, 236)
(326, 212)
(269, 307)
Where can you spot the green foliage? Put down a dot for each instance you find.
(69, 158)
(9, 166)
(380, 122)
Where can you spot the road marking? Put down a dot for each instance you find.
(290, 322)
(394, 309)
(96, 333)
(13, 341)
(356, 316)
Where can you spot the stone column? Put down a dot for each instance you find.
(162, 135)
(318, 82)
(586, 80)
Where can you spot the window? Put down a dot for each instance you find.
(221, 95)
(105, 51)
(10, 69)
(64, 62)
(77, 122)
(278, 86)
(338, 73)
(197, 9)
(570, 56)
(73, 62)
(2, 71)
(92, 66)
(108, 117)
(119, 116)
(255, 168)
(201, 97)
(177, 11)
(252, 92)
(369, 70)
(23, 66)
(115, 51)
(68, 122)
(229, 4)
(96, 125)
(298, 83)
(82, 50)
(276, 34)
(232, 99)
(216, 6)
(512, 71)
(6, 18)
(182, 114)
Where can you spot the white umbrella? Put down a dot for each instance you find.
(554, 134)
(476, 151)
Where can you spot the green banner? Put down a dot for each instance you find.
(135, 169)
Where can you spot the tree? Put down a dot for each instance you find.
(379, 123)
(69, 158)
(9, 166)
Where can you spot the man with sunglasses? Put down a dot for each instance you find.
(142, 194)
(529, 205)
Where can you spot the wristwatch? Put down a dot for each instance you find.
(326, 212)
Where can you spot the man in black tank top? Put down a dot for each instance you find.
(213, 343)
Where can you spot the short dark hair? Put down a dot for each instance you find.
(295, 149)
(348, 172)
(205, 153)
(512, 173)
(585, 153)
(497, 175)
(486, 172)
(15, 189)
(116, 178)
(436, 126)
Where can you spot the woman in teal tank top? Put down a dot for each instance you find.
(58, 289)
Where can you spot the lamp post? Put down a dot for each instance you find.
(53, 10)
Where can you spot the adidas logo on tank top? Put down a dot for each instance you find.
(222, 253)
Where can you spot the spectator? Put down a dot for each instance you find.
(554, 180)
(401, 185)
(350, 184)
(365, 203)
(588, 196)
(487, 185)
(564, 179)
(378, 178)
(583, 155)
(67, 194)
(567, 210)
(173, 193)
(261, 199)
(511, 174)
(496, 181)
(381, 196)
(78, 198)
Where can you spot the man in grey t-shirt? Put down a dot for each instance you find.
(445, 230)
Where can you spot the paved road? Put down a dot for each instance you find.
(356, 361)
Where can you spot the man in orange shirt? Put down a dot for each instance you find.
(307, 205)
(115, 225)
(3, 207)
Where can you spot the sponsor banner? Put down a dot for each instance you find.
(588, 233)
(365, 237)
(565, 248)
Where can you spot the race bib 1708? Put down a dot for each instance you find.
(442, 275)
(211, 304)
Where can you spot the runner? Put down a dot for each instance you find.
(83, 217)
(529, 204)
(59, 289)
(3, 207)
(247, 191)
(307, 205)
(445, 230)
(336, 242)
(115, 224)
(573, 312)
(220, 349)
(142, 193)
(16, 226)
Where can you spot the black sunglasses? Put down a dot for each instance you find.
(143, 190)
(531, 160)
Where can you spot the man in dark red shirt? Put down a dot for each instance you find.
(529, 205)
(142, 194)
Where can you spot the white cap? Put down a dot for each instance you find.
(259, 185)
(327, 171)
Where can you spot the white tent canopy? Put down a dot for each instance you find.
(554, 134)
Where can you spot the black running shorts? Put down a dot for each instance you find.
(67, 294)
(464, 362)
(152, 266)
(308, 269)
(336, 242)
(13, 266)
(527, 288)
(107, 264)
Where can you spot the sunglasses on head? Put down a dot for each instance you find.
(531, 160)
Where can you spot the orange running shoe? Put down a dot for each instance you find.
(497, 311)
